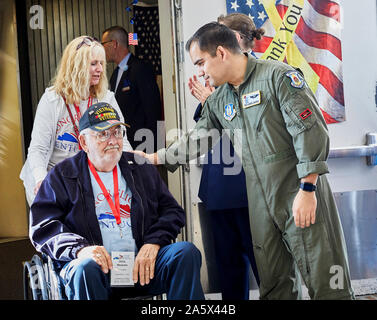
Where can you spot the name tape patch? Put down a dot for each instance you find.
(251, 99)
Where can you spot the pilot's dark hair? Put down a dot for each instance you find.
(212, 35)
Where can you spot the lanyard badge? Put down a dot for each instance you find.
(123, 261)
(121, 274)
(115, 208)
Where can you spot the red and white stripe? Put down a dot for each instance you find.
(318, 38)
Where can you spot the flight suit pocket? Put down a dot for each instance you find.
(298, 117)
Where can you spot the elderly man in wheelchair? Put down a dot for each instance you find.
(108, 223)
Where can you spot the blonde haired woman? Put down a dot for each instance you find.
(80, 81)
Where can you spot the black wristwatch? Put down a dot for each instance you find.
(307, 186)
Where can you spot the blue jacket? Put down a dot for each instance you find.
(139, 99)
(216, 190)
(63, 218)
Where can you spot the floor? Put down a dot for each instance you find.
(367, 297)
(365, 289)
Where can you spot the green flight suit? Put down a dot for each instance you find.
(284, 138)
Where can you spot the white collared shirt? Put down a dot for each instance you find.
(122, 67)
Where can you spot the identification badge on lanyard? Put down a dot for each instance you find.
(123, 264)
(115, 208)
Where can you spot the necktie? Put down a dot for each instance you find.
(114, 78)
(119, 75)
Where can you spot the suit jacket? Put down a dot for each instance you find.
(138, 97)
(216, 190)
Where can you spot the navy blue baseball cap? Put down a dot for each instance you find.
(100, 116)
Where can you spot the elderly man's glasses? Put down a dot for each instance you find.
(88, 41)
(106, 134)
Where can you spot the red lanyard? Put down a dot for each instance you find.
(78, 113)
(114, 208)
(78, 109)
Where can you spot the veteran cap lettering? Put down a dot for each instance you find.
(100, 116)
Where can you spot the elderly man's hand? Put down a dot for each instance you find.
(99, 255)
(145, 263)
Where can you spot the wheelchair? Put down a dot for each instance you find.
(40, 279)
(42, 282)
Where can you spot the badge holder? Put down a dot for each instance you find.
(121, 274)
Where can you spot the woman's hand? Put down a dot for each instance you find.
(199, 91)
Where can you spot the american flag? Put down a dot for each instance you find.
(315, 44)
(147, 26)
(132, 39)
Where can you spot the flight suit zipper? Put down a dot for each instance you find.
(241, 111)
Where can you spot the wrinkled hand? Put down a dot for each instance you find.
(304, 207)
(145, 263)
(199, 91)
(151, 157)
(99, 255)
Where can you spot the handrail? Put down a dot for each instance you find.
(357, 151)
(369, 150)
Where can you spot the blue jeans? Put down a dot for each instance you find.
(177, 273)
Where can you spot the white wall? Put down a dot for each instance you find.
(196, 13)
(359, 51)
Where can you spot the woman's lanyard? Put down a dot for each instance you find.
(114, 208)
(78, 113)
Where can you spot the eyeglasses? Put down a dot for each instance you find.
(103, 43)
(106, 134)
(88, 41)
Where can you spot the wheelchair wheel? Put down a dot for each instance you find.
(55, 286)
(35, 284)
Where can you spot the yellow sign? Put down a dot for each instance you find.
(282, 45)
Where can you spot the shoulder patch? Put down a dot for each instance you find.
(229, 112)
(297, 80)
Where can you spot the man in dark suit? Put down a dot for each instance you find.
(135, 88)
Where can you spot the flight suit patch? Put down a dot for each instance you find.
(297, 81)
(251, 99)
(305, 114)
(229, 112)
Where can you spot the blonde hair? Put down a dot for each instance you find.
(72, 79)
